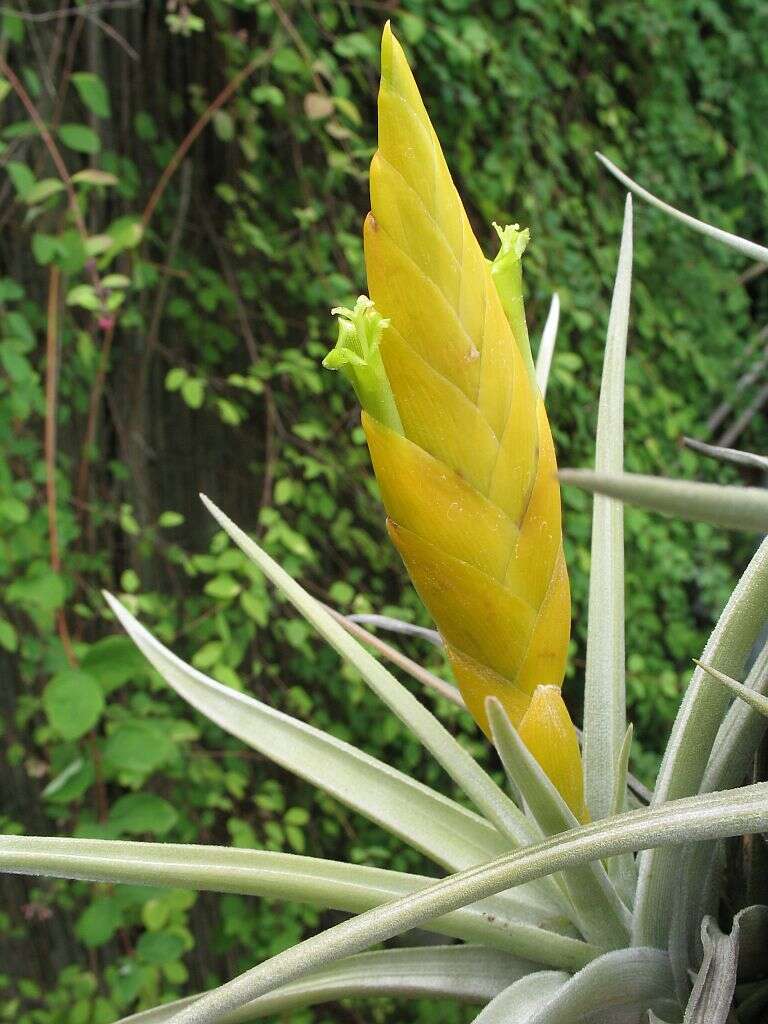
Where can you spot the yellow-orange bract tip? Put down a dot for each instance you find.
(548, 732)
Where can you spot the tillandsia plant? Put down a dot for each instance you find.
(644, 913)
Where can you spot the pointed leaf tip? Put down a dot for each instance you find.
(389, 45)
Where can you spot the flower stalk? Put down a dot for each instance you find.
(457, 430)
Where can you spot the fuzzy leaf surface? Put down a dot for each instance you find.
(676, 823)
(605, 711)
(465, 973)
(733, 508)
(510, 922)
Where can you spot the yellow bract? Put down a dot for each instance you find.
(547, 731)
(470, 483)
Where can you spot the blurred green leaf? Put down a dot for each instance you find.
(80, 138)
(138, 746)
(92, 92)
(137, 813)
(73, 702)
(98, 923)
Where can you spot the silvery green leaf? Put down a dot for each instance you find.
(740, 734)
(733, 508)
(440, 828)
(757, 701)
(621, 870)
(604, 683)
(510, 922)
(695, 819)
(399, 626)
(522, 998)
(742, 245)
(465, 973)
(600, 914)
(547, 345)
(412, 668)
(712, 995)
(697, 890)
(727, 454)
(622, 984)
(693, 734)
(461, 767)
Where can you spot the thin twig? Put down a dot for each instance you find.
(744, 381)
(162, 292)
(752, 272)
(115, 36)
(433, 682)
(71, 12)
(51, 387)
(51, 390)
(94, 403)
(42, 63)
(740, 424)
(413, 668)
(58, 162)
(234, 287)
(229, 89)
(67, 69)
(300, 45)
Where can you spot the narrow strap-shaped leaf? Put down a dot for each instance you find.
(439, 827)
(699, 869)
(522, 998)
(605, 717)
(621, 870)
(756, 700)
(742, 245)
(547, 345)
(629, 980)
(715, 451)
(466, 973)
(509, 922)
(712, 995)
(696, 819)
(733, 508)
(740, 734)
(461, 767)
(693, 734)
(602, 917)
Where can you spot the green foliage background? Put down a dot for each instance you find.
(198, 369)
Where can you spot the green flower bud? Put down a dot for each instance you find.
(507, 273)
(357, 355)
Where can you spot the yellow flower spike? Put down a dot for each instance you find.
(466, 466)
(548, 732)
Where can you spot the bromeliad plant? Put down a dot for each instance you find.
(564, 899)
